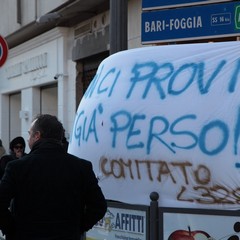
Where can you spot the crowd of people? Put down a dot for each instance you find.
(47, 193)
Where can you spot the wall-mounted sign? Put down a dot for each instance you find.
(158, 4)
(3, 50)
(29, 65)
(213, 20)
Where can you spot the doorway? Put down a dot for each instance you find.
(49, 100)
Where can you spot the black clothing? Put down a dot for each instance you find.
(56, 195)
(4, 161)
(65, 144)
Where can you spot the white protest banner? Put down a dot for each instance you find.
(165, 119)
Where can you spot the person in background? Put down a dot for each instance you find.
(55, 194)
(17, 150)
(65, 142)
(2, 149)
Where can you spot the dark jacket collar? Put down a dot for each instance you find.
(47, 144)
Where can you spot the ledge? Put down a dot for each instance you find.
(72, 12)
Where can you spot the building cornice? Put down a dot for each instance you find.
(35, 42)
(71, 12)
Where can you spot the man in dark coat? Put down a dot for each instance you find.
(55, 195)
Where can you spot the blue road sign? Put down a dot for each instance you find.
(155, 4)
(198, 22)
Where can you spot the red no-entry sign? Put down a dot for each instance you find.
(3, 51)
